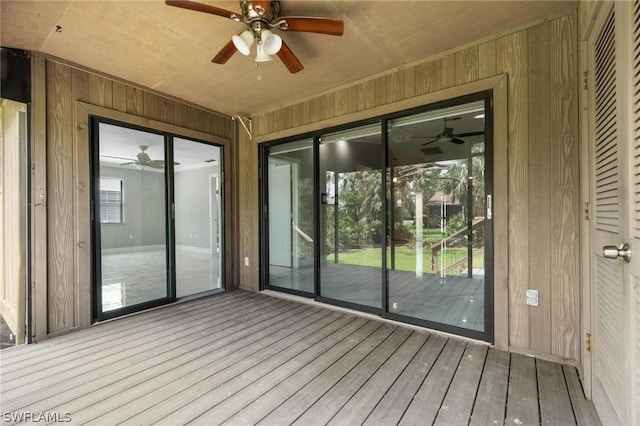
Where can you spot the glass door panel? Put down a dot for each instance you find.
(352, 216)
(197, 181)
(437, 189)
(129, 206)
(290, 195)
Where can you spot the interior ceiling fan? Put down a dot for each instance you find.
(142, 159)
(260, 17)
(447, 135)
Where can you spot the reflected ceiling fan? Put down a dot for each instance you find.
(260, 17)
(142, 159)
(447, 135)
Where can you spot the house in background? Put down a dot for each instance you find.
(123, 117)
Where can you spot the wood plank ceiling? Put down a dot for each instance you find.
(170, 49)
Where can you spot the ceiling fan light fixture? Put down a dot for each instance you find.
(262, 55)
(243, 42)
(272, 43)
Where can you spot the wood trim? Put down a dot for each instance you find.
(38, 243)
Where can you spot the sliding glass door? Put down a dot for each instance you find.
(198, 216)
(131, 198)
(437, 192)
(290, 264)
(157, 211)
(402, 215)
(351, 216)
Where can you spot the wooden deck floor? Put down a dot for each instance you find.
(243, 358)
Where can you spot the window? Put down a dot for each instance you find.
(111, 200)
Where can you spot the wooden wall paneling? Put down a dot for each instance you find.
(429, 77)
(180, 115)
(328, 102)
(467, 65)
(409, 82)
(164, 110)
(449, 70)
(300, 114)
(100, 91)
(82, 219)
(135, 101)
(81, 87)
(380, 95)
(487, 59)
(317, 112)
(203, 121)
(512, 59)
(119, 96)
(352, 99)
(231, 220)
(61, 289)
(340, 102)
(282, 116)
(540, 188)
(192, 120)
(502, 316)
(395, 86)
(366, 95)
(565, 173)
(39, 234)
(149, 105)
(224, 127)
(4, 283)
(249, 207)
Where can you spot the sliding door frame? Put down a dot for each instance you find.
(487, 95)
(97, 314)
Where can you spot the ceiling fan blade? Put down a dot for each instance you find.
(225, 53)
(457, 141)
(434, 140)
(313, 25)
(262, 7)
(119, 158)
(289, 59)
(425, 137)
(199, 7)
(464, 135)
(126, 164)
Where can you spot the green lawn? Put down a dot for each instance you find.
(405, 258)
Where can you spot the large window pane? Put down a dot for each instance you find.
(198, 218)
(290, 215)
(436, 190)
(133, 249)
(352, 215)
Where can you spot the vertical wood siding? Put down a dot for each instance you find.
(68, 180)
(543, 166)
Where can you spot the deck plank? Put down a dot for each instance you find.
(245, 358)
(457, 405)
(332, 401)
(365, 400)
(492, 393)
(394, 402)
(427, 401)
(522, 395)
(582, 408)
(200, 411)
(555, 404)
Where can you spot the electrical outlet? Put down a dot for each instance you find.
(246, 261)
(532, 297)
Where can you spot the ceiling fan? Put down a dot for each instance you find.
(142, 159)
(447, 135)
(260, 17)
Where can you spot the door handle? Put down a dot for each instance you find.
(613, 252)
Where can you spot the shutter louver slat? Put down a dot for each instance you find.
(607, 183)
